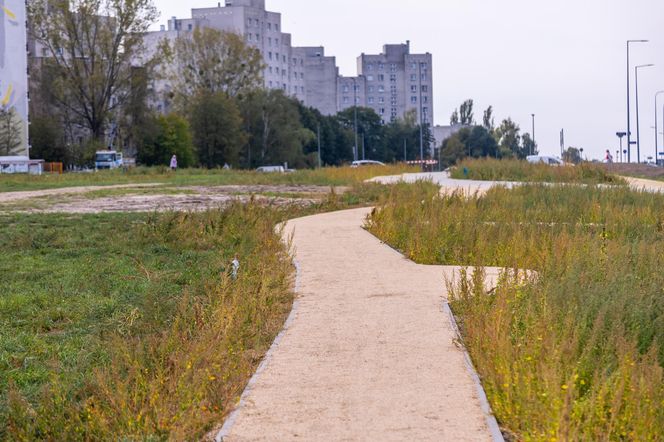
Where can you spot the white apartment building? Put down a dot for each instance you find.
(392, 83)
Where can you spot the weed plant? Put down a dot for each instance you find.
(488, 169)
(130, 326)
(574, 350)
(329, 176)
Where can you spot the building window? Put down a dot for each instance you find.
(423, 65)
(381, 77)
(189, 27)
(425, 99)
(381, 88)
(276, 54)
(302, 89)
(381, 100)
(270, 68)
(381, 111)
(270, 83)
(425, 110)
(346, 88)
(370, 67)
(301, 75)
(370, 77)
(425, 88)
(256, 22)
(413, 77)
(258, 37)
(269, 26)
(393, 78)
(371, 100)
(413, 65)
(381, 66)
(393, 67)
(424, 77)
(346, 100)
(276, 69)
(269, 41)
(413, 99)
(284, 58)
(276, 42)
(371, 89)
(413, 88)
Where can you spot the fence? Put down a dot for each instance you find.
(54, 168)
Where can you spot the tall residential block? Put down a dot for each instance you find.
(398, 82)
(392, 83)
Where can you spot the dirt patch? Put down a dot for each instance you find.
(148, 199)
(7, 197)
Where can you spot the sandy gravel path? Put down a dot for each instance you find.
(368, 354)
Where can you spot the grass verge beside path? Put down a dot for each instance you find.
(576, 352)
(331, 176)
(130, 326)
(515, 170)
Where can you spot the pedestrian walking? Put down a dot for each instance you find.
(609, 157)
(174, 163)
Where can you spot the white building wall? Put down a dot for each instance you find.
(14, 67)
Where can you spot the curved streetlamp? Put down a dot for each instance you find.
(629, 119)
(638, 135)
(657, 129)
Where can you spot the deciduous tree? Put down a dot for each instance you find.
(217, 126)
(210, 61)
(91, 45)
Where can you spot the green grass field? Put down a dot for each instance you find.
(576, 351)
(331, 176)
(130, 324)
(488, 169)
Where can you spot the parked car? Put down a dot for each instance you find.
(362, 163)
(539, 159)
(271, 169)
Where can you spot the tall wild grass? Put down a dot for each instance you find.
(160, 343)
(328, 176)
(488, 169)
(575, 350)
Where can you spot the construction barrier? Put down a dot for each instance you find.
(54, 168)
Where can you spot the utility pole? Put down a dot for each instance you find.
(532, 152)
(320, 162)
(405, 157)
(638, 137)
(355, 152)
(363, 156)
(657, 129)
(629, 119)
(421, 119)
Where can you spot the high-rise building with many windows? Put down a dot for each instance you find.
(392, 83)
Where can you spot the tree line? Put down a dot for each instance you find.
(484, 140)
(93, 87)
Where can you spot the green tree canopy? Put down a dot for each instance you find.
(163, 137)
(217, 126)
(276, 134)
(210, 61)
(91, 46)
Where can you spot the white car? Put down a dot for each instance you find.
(362, 163)
(271, 169)
(539, 159)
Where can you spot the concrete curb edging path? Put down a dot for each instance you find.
(368, 353)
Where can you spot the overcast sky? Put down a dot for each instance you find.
(563, 60)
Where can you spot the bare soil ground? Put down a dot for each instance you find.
(147, 198)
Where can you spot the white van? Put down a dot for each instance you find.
(271, 169)
(539, 159)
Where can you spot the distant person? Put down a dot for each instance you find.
(174, 163)
(609, 157)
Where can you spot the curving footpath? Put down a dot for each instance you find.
(368, 353)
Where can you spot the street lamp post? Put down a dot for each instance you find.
(355, 149)
(657, 129)
(621, 135)
(638, 134)
(421, 119)
(534, 143)
(629, 119)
